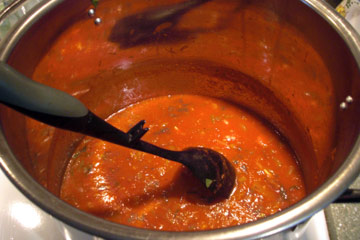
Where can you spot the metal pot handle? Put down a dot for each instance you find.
(349, 196)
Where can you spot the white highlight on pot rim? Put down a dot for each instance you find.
(25, 214)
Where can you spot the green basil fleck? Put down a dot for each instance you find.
(208, 182)
(95, 2)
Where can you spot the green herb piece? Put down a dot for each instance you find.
(242, 179)
(192, 227)
(294, 188)
(136, 155)
(278, 162)
(243, 168)
(215, 119)
(183, 109)
(163, 130)
(208, 182)
(172, 147)
(77, 154)
(283, 193)
(105, 155)
(87, 168)
(132, 218)
(95, 2)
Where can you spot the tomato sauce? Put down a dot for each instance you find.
(253, 37)
(138, 189)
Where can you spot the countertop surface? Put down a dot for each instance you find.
(343, 219)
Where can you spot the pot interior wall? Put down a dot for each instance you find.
(278, 59)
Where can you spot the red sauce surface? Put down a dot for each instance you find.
(249, 36)
(142, 190)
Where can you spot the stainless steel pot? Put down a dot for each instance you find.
(330, 163)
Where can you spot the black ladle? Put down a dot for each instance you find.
(140, 27)
(61, 110)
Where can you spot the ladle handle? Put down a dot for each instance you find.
(52, 106)
(59, 109)
(22, 92)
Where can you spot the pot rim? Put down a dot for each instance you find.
(280, 221)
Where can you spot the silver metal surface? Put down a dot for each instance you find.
(343, 105)
(97, 21)
(91, 12)
(277, 223)
(349, 99)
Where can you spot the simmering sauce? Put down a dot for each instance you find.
(250, 37)
(142, 190)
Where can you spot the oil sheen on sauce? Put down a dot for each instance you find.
(138, 189)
